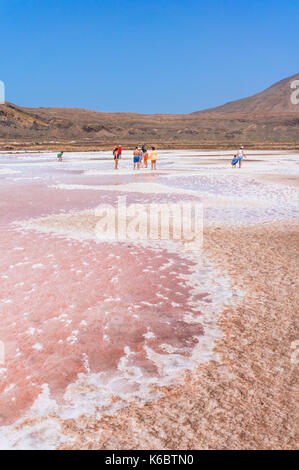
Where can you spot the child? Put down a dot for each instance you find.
(145, 158)
(234, 161)
(59, 156)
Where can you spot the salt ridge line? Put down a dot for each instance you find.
(130, 188)
(82, 224)
(8, 171)
(274, 193)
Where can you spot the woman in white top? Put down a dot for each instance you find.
(241, 155)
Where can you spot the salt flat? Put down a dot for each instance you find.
(95, 330)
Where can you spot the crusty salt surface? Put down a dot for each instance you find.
(89, 326)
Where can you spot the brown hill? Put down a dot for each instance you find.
(268, 117)
(275, 99)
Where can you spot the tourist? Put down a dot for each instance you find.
(136, 158)
(145, 158)
(119, 151)
(141, 157)
(234, 161)
(59, 156)
(241, 156)
(153, 158)
(115, 157)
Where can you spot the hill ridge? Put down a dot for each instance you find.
(274, 99)
(268, 116)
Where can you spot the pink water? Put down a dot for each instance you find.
(71, 306)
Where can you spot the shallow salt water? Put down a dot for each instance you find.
(89, 326)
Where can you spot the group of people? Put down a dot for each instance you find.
(141, 156)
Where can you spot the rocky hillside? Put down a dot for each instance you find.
(268, 117)
(275, 99)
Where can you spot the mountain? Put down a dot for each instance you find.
(275, 99)
(266, 119)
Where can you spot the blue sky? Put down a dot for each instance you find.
(149, 56)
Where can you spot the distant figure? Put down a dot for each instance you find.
(59, 156)
(234, 161)
(136, 158)
(119, 151)
(241, 156)
(115, 157)
(141, 157)
(145, 158)
(153, 158)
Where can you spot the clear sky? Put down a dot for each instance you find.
(149, 56)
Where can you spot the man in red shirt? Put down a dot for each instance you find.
(119, 151)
